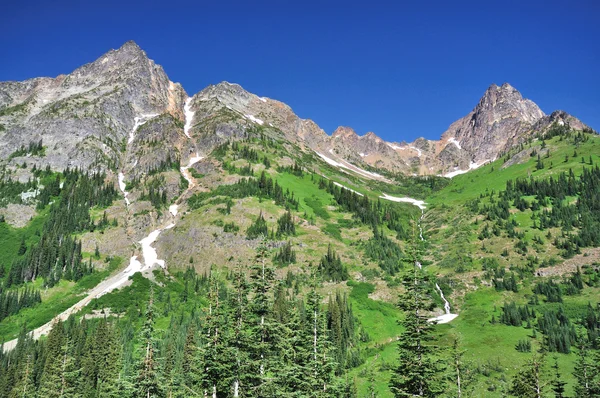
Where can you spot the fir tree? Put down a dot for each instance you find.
(147, 383)
(417, 370)
(528, 382)
(558, 384)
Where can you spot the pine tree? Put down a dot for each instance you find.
(528, 382)
(262, 278)
(147, 383)
(558, 384)
(51, 382)
(417, 370)
(24, 386)
(587, 372)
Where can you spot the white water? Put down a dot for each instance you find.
(448, 316)
(122, 187)
(189, 116)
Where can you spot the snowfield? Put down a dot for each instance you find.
(419, 203)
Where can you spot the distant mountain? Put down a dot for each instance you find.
(90, 118)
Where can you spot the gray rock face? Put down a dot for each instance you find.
(497, 123)
(85, 117)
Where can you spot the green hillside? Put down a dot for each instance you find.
(295, 269)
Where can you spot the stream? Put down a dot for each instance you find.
(448, 315)
(149, 254)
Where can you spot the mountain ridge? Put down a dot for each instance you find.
(126, 85)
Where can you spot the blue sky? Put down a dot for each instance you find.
(399, 69)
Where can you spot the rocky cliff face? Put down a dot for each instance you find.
(501, 118)
(121, 112)
(84, 119)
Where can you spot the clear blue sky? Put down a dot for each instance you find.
(399, 70)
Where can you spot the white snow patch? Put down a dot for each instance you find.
(137, 122)
(122, 187)
(173, 209)
(189, 116)
(419, 153)
(455, 142)
(472, 166)
(263, 99)
(419, 203)
(29, 194)
(395, 147)
(349, 189)
(349, 166)
(185, 172)
(255, 119)
(446, 318)
(149, 253)
(362, 155)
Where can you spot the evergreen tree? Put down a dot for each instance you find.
(558, 384)
(528, 382)
(148, 383)
(417, 370)
(587, 372)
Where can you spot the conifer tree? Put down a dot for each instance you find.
(147, 383)
(558, 384)
(529, 381)
(262, 278)
(417, 370)
(587, 372)
(51, 382)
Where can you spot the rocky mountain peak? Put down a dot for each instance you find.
(344, 132)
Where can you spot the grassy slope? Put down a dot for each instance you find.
(485, 343)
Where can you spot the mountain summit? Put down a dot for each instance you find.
(85, 117)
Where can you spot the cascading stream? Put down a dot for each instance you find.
(149, 254)
(448, 316)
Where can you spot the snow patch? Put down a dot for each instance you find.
(419, 203)
(255, 119)
(455, 142)
(419, 153)
(173, 209)
(189, 116)
(351, 167)
(185, 172)
(137, 122)
(263, 99)
(395, 147)
(447, 317)
(349, 189)
(122, 186)
(362, 155)
(472, 166)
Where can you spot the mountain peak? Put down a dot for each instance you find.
(344, 132)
